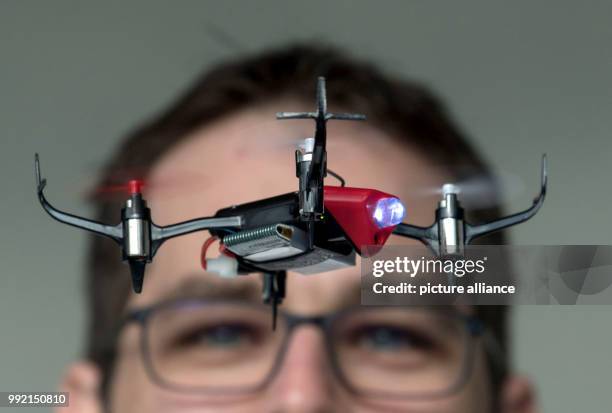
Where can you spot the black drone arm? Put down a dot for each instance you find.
(113, 232)
(194, 225)
(474, 231)
(160, 234)
(427, 235)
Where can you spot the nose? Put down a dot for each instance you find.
(305, 382)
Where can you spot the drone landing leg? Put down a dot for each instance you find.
(273, 293)
(137, 268)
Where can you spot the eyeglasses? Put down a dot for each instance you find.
(228, 348)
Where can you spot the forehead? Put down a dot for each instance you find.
(249, 156)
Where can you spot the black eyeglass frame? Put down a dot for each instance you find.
(473, 325)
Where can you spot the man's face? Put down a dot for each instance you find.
(243, 158)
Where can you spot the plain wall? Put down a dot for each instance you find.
(522, 77)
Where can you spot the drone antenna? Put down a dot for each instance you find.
(312, 169)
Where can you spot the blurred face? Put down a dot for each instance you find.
(243, 158)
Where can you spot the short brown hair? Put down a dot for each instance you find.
(405, 109)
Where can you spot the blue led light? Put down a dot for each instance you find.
(388, 212)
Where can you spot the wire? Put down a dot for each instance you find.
(205, 247)
(338, 177)
(223, 250)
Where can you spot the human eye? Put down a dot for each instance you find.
(221, 336)
(389, 339)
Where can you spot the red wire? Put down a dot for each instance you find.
(223, 250)
(205, 247)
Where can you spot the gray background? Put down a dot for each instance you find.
(523, 78)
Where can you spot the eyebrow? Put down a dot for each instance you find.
(199, 287)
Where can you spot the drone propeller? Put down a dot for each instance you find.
(476, 191)
(137, 235)
(312, 159)
(450, 233)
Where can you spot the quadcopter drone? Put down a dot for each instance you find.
(315, 229)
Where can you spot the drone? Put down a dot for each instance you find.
(315, 229)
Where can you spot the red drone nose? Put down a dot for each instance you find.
(135, 186)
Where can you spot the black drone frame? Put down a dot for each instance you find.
(140, 238)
